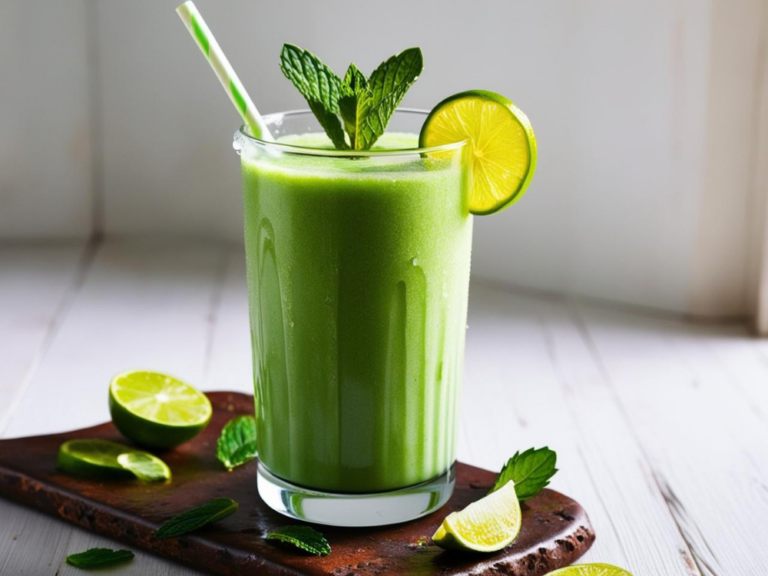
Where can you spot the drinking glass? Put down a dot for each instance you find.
(358, 272)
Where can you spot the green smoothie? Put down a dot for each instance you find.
(358, 271)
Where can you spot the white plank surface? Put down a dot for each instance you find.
(36, 286)
(659, 425)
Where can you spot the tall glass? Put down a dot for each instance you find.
(358, 271)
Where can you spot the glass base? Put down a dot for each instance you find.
(355, 510)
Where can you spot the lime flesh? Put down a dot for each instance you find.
(591, 570)
(488, 525)
(157, 410)
(500, 140)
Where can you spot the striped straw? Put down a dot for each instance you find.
(223, 69)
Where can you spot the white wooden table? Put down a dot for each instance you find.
(661, 426)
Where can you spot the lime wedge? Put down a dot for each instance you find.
(157, 410)
(145, 466)
(502, 145)
(590, 570)
(95, 458)
(487, 525)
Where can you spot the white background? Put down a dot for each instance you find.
(648, 116)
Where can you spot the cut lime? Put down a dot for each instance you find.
(591, 570)
(157, 410)
(95, 458)
(145, 466)
(502, 145)
(487, 525)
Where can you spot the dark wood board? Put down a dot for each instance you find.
(555, 531)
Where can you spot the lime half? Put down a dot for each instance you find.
(487, 525)
(590, 570)
(102, 459)
(502, 145)
(157, 410)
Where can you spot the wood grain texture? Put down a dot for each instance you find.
(555, 529)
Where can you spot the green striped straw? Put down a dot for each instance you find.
(223, 69)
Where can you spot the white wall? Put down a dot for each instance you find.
(45, 123)
(644, 113)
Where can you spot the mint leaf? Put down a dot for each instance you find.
(319, 86)
(237, 442)
(145, 466)
(386, 88)
(302, 537)
(530, 471)
(195, 518)
(353, 88)
(98, 558)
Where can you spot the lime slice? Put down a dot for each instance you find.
(502, 145)
(590, 570)
(95, 458)
(145, 466)
(157, 410)
(487, 525)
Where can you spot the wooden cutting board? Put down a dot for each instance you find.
(555, 532)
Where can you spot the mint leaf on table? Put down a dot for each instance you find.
(302, 537)
(237, 442)
(196, 518)
(386, 88)
(319, 85)
(530, 471)
(99, 558)
(365, 104)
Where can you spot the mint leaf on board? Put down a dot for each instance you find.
(99, 558)
(530, 471)
(302, 537)
(145, 466)
(237, 442)
(319, 85)
(386, 88)
(196, 518)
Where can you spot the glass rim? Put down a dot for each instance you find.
(333, 153)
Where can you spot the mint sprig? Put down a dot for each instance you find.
(237, 442)
(530, 471)
(302, 537)
(319, 86)
(99, 558)
(196, 518)
(365, 105)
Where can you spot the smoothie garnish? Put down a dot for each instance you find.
(303, 537)
(99, 558)
(237, 442)
(196, 518)
(530, 471)
(359, 106)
